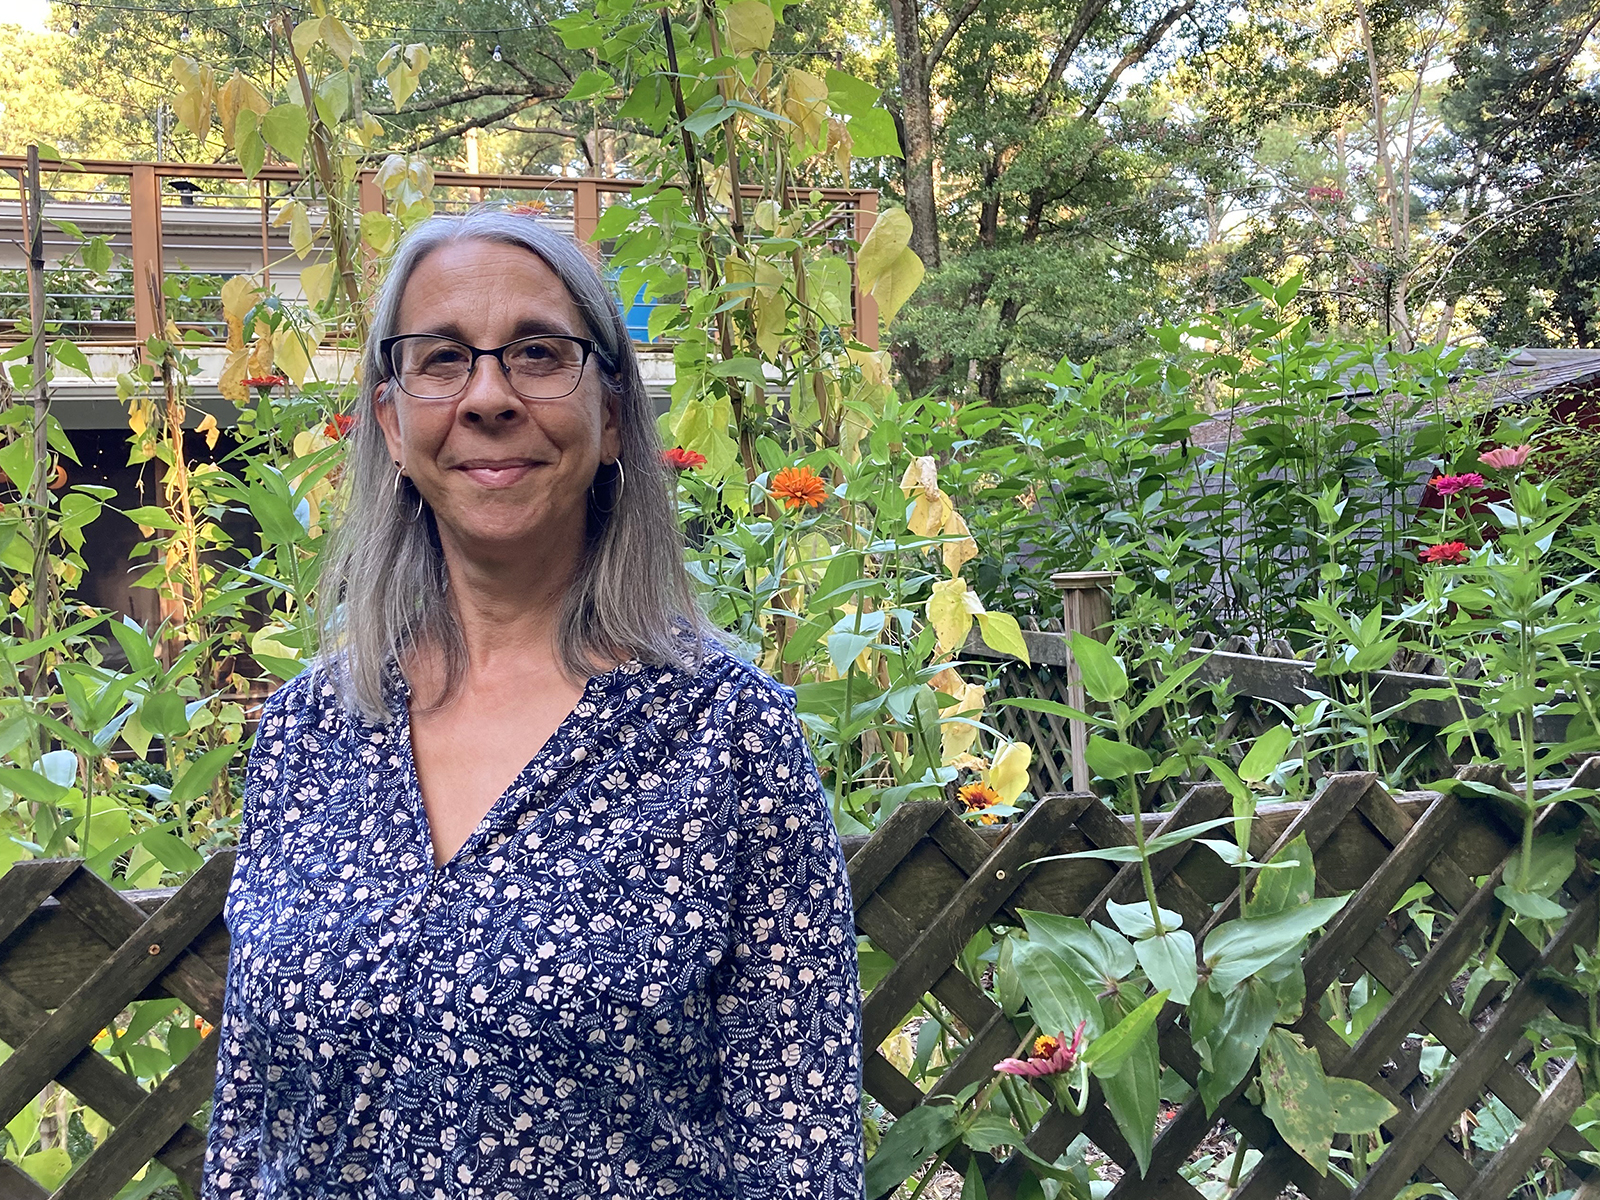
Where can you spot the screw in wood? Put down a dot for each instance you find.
(154, 949)
(999, 874)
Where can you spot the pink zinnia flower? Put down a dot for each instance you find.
(1449, 485)
(1051, 1056)
(1445, 552)
(1506, 458)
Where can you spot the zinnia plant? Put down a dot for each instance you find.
(681, 460)
(1506, 458)
(1445, 552)
(1450, 485)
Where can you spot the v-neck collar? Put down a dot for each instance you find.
(555, 746)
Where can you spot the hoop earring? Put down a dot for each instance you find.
(616, 496)
(398, 488)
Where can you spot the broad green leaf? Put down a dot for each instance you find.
(197, 776)
(1357, 1107)
(1106, 1055)
(1239, 948)
(163, 712)
(1228, 1031)
(1168, 960)
(1154, 846)
(1095, 951)
(1266, 754)
(873, 135)
(1002, 633)
(286, 129)
(973, 1187)
(1295, 1095)
(592, 83)
(1133, 1095)
(1292, 886)
(750, 26)
(989, 1130)
(1135, 919)
(68, 355)
(1103, 676)
(175, 853)
(48, 1167)
(1551, 861)
(907, 1145)
(1526, 904)
(1057, 997)
(96, 254)
(1113, 760)
(848, 95)
(251, 147)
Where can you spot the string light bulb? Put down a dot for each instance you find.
(497, 52)
(77, 26)
(183, 33)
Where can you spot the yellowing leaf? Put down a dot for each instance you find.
(231, 382)
(192, 105)
(300, 231)
(772, 320)
(264, 641)
(208, 428)
(840, 143)
(292, 350)
(391, 174)
(305, 35)
(922, 475)
(930, 514)
(950, 612)
(239, 295)
(402, 85)
(261, 353)
(1008, 773)
(417, 57)
(378, 231)
(750, 26)
(317, 282)
(339, 39)
(805, 103)
(889, 235)
(236, 95)
(899, 279)
(958, 553)
(957, 736)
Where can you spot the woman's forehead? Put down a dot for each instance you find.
(488, 283)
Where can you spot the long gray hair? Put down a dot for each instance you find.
(385, 588)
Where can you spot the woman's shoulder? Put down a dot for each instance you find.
(307, 706)
(737, 685)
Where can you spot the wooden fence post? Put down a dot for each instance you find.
(144, 199)
(866, 308)
(1086, 607)
(586, 215)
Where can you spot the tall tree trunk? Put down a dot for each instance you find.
(916, 118)
(1398, 273)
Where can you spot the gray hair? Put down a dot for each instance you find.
(385, 588)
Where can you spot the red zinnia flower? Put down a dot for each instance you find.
(798, 487)
(1051, 1056)
(340, 425)
(680, 459)
(1449, 485)
(1445, 552)
(265, 381)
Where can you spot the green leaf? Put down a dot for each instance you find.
(163, 712)
(96, 254)
(849, 96)
(1103, 676)
(1551, 861)
(1292, 886)
(1133, 1095)
(1057, 997)
(989, 1130)
(16, 460)
(1295, 1095)
(1265, 754)
(1106, 1055)
(173, 852)
(1094, 951)
(1113, 760)
(286, 129)
(708, 116)
(873, 135)
(1357, 1107)
(1002, 633)
(1239, 948)
(199, 773)
(973, 1187)
(1526, 904)
(247, 142)
(590, 83)
(152, 516)
(48, 1167)
(1135, 919)
(579, 32)
(1153, 846)
(909, 1142)
(615, 220)
(1168, 960)
(1228, 1031)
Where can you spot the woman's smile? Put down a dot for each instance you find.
(497, 472)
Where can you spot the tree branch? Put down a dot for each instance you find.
(942, 43)
(1058, 65)
(537, 92)
(483, 122)
(1135, 54)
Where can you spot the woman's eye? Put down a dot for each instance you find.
(531, 352)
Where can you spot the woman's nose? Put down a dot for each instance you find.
(488, 394)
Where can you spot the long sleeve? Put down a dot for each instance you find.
(233, 1139)
(788, 1026)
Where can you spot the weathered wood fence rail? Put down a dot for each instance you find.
(74, 952)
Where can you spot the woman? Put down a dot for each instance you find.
(537, 893)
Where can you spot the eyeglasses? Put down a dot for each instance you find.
(429, 367)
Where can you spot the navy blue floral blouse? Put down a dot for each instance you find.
(636, 978)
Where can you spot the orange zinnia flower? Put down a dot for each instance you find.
(979, 796)
(798, 487)
(340, 425)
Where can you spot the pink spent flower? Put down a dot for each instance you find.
(1051, 1056)
(1449, 485)
(1506, 458)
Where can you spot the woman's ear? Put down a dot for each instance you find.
(388, 420)
(611, 429)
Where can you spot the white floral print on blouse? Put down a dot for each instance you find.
(636, 978)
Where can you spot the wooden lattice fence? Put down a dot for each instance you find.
(926, 882)
(74, 952)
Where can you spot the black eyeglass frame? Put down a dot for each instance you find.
(591, 349)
